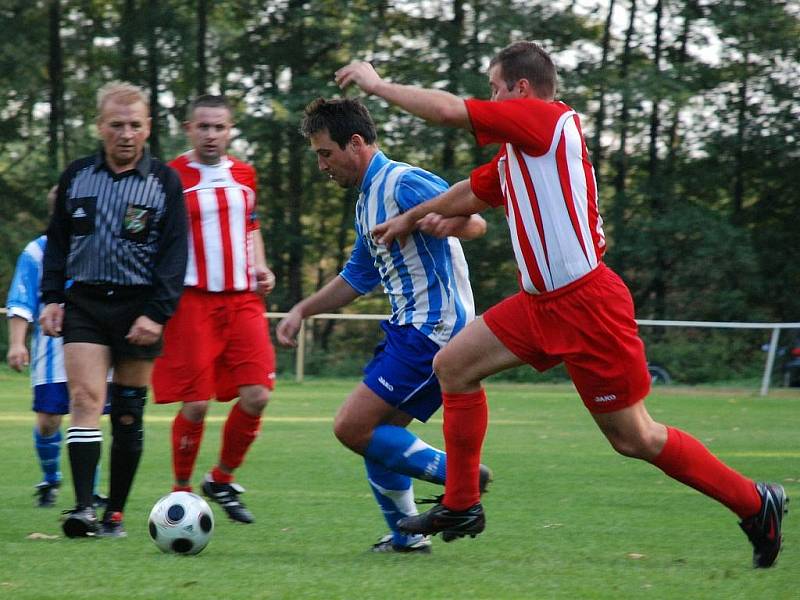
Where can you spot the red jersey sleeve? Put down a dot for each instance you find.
(485, 182)
(528, 123)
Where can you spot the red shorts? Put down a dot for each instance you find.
(214, 343)
(589, 326)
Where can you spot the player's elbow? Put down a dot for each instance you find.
(451, 112)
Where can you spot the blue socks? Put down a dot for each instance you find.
(48, 450)
(395, 495)
(401, 451)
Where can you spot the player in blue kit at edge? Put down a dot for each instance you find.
(46, 360)
(428, 287)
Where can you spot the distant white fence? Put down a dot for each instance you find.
(765, 379)
(775, 328)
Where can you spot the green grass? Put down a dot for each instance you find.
(567, 517)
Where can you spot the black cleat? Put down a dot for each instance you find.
(452, 524)
(111, 526)
(79, 522)
(46, 493)
(385, 544)
(99, 501)
(764, 528)
(485, 477)
(227, 496)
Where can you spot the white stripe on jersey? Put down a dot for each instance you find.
(561, 254)
(237, 217)
(213, 254)
(413, 304)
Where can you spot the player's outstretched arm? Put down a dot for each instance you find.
(333, 295)
(18, 357)
(458, 201)
(436, 106)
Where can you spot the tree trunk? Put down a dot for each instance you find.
(655, 182)
(600, 116)
(621, 161)
(201, 75)
(127, 36)
(741, 139)
(152, 76)
(454, 30)
(56, 76)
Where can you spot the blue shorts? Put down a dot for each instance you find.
(53, 398)
(401, 372)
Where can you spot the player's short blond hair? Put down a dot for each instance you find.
(122, 92)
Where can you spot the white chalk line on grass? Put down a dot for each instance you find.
(28, 418)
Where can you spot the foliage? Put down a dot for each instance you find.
(700, 202)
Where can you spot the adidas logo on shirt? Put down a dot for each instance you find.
(79, 213)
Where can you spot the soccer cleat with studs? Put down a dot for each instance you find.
(46, 493)
(112, 526)
(79, 522)
(763, 529)
(385, 544)
(440, 519)
(227, 496)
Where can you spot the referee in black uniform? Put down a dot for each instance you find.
(119, 234)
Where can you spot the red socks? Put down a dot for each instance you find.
(240, 431)
(686, 459)
(186, 437)
(465, 421)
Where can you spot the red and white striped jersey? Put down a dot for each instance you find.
(220, 203)
(543, 176)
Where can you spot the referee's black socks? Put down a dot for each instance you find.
(84, 445)
(127, 413)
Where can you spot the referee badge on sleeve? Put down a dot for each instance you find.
(137, 223)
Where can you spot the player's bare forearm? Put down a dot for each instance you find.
(332, 296)
(456, 201)
(436, 106)
(464, 228)
(18, 357)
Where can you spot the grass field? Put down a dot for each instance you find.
(567, 518)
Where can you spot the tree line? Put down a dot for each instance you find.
(690, 109)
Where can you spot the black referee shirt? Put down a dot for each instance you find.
(120, 229)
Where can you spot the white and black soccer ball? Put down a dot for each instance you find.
(181, 523)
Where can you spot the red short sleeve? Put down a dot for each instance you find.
(528, 123)
(485, 182)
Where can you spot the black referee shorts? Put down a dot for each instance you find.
(103, 314)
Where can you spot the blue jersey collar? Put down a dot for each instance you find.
(375, 165)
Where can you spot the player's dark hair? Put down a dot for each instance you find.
(528, 60)
(341, 118)
(208, 101)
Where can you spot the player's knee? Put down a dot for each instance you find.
(633, 445)
(47, 424)
(127, 416)
(254, 399)
(349, 435)
(82, 400)
(444, 370)
(195, 411)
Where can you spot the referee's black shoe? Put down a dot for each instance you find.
(764, 528)
(227, 496)
(80, 522)
(452, 524)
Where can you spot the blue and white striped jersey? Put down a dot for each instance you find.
(47, 355)
(427, 280)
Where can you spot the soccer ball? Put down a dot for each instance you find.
(181, 523)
